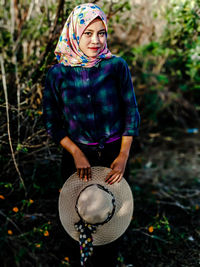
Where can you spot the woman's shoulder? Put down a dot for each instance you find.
(118, 61)
(55, 69)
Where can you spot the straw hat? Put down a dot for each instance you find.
(109, 207)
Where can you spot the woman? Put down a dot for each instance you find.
(89, 104)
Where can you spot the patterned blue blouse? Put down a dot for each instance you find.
(90, 105)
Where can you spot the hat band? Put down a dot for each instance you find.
(86, 229)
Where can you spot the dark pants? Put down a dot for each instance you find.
(105, 255)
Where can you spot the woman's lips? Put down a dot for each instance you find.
(94, 48)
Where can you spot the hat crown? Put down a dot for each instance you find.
(94, 204)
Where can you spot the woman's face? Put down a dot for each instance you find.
(93, 38)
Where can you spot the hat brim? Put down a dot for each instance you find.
(121, 219)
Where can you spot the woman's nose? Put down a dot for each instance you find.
(95, 39)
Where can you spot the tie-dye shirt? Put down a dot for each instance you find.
(90, 105)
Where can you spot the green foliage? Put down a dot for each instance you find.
(21, 148)
(182, 35)
(169, 64)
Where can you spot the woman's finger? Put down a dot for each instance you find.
(89, 173)
(109, 175)
(121, 176)
(113, 178)
(81, 173)
(117, 179)
(86, 174)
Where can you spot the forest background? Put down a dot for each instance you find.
(160, 41)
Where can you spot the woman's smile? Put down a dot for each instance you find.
(94, 48)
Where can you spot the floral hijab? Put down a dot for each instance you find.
(67, 50)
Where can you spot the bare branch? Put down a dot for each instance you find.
(52, 35)
(112, 13)
(8, 121)
(11, 221)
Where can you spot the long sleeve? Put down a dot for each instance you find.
(131, 113)
(52, 112)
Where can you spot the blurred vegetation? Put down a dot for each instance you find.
(160, 41)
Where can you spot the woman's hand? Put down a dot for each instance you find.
(81, 162)
(82, 165)
(119, 164)
(118, 167)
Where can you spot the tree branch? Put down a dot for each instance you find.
(8, 121)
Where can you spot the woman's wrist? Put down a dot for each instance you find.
(76, 151)
(124, 154)
(125, 146)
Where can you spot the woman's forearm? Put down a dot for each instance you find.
(119, 164)
(69, 145)
(81, 162)
(126, 145)
(72, 148)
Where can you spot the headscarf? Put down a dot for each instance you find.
(67, 50)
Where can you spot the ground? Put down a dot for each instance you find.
(165, 179)
(164, 231)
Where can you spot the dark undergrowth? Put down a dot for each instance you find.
(165, 228)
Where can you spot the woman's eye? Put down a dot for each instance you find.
(102, 33)
(88, 33)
